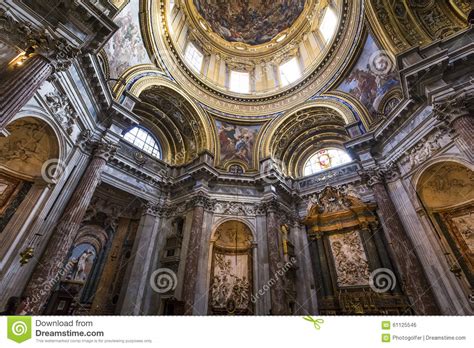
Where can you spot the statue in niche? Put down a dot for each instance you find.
(80, 263)
(84, 265)
(231, 273)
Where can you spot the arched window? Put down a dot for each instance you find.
(325, 159)
(143, 139)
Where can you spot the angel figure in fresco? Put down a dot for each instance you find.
(366, 90)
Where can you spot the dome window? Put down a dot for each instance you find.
(239, 82)
(328, 24)
(194, 57)
(290, 71)
(144, 140)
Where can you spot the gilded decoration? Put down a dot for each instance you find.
(409, 23)
(335, 209)
(302, 133)
(159, 39)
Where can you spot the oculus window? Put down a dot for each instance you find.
(325, 159)
(144, 140)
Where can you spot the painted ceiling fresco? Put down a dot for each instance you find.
(252, 22)
(236, 142)
(372, 77)
(126, 48)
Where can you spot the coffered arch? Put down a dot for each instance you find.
(181, 126)
(409, 23)
(302, 132)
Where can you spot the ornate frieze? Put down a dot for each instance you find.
(424, 149)
(234, 208)
(62, 110)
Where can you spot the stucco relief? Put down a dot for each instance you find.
(27, 147)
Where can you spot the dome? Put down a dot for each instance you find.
(249, 21)
(252, 57)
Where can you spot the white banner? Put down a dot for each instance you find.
(214, 331)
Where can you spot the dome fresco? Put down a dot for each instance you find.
(252, 22)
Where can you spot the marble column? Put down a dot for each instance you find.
(414, 282)
(277, 292)
(192, 254)
(456, 114)
(18, 85)
(50, 267)
(142, 264)
(102, 303)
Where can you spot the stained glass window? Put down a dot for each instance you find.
(325, 159)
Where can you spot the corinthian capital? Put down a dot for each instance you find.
(45, 43)
(202, 200)
(105, 149)
(380, 174)
(151, 208)
(452, 107)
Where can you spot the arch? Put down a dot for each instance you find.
(297, 135)
(92, 234)
(329, 102)
(240, 219)
(144, 83)
(446, 191)
(232, 268)
(439, 159)
(31, 150)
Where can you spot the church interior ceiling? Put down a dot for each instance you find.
(226, 141)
